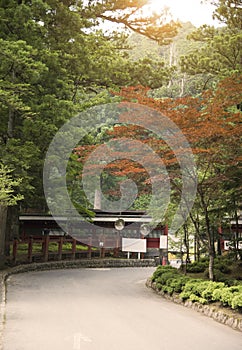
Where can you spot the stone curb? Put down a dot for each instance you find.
(231, 319)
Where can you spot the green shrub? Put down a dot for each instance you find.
(226, 296)
(221, 263)
(190, 288)
(167, 289)
(201, 289)
(197, 266)
(169, 280)
(211, 287)
(161, 270)
(200, 300)
(218, 275)
(232, 282)
(237, 301)
(158, 286)
(178, 283)
(166, 276)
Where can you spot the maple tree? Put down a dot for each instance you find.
(211, 124)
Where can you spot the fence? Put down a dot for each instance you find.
(49, 248)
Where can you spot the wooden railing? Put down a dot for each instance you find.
(49, 248)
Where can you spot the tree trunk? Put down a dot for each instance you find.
(211, 249)
(3, 222)
(182, 86)
(10, 123)
(210, 239)
(186, 243)
(12, 227)
(236, 243)
(195, 222)
(211, 266)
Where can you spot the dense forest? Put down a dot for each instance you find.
(61, 58)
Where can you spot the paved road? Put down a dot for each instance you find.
(99, 309)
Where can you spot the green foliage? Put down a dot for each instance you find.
(197, 266)
(222, 267)
(54, 63)
(161, 270)
(210, 288)
(201, 291)
(8, 186)
(229, 296)
(178, 283)
(195, 298)
(166, 276)
(219, 54)
(228, 12)
(191, 288)
(170, 281)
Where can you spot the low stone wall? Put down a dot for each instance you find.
(82, 263)
(219, 314)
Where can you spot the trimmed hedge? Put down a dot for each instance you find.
(221, 264)
(229, 296)
(169, 280)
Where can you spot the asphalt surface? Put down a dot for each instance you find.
(99, 309)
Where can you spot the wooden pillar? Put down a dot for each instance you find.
(102, 252)
(30, 249)
(46, 247)
(60, 245)
(116, 249)
(103, 249)
(142, 255)
(15, 249)
(89, 247)
(165, 256)
(73, 249)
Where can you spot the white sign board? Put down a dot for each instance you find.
(163, 242)
(134, 245)
(230, 245)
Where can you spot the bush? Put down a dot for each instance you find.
(197, 266)
(169, 280)
(218, 275)
(221, 264)
(195, 298)
(229, 296)
(237, 301)
(211, 287)
(190, 288)
(178, 283)
(167, 289)
(166, 276)
(201, 289)
(161, 270)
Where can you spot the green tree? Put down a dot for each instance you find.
(8, 197)
(220, 54)
(56, 60)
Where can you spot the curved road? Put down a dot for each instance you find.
(97, 309)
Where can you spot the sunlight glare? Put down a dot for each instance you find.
(185, 10)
